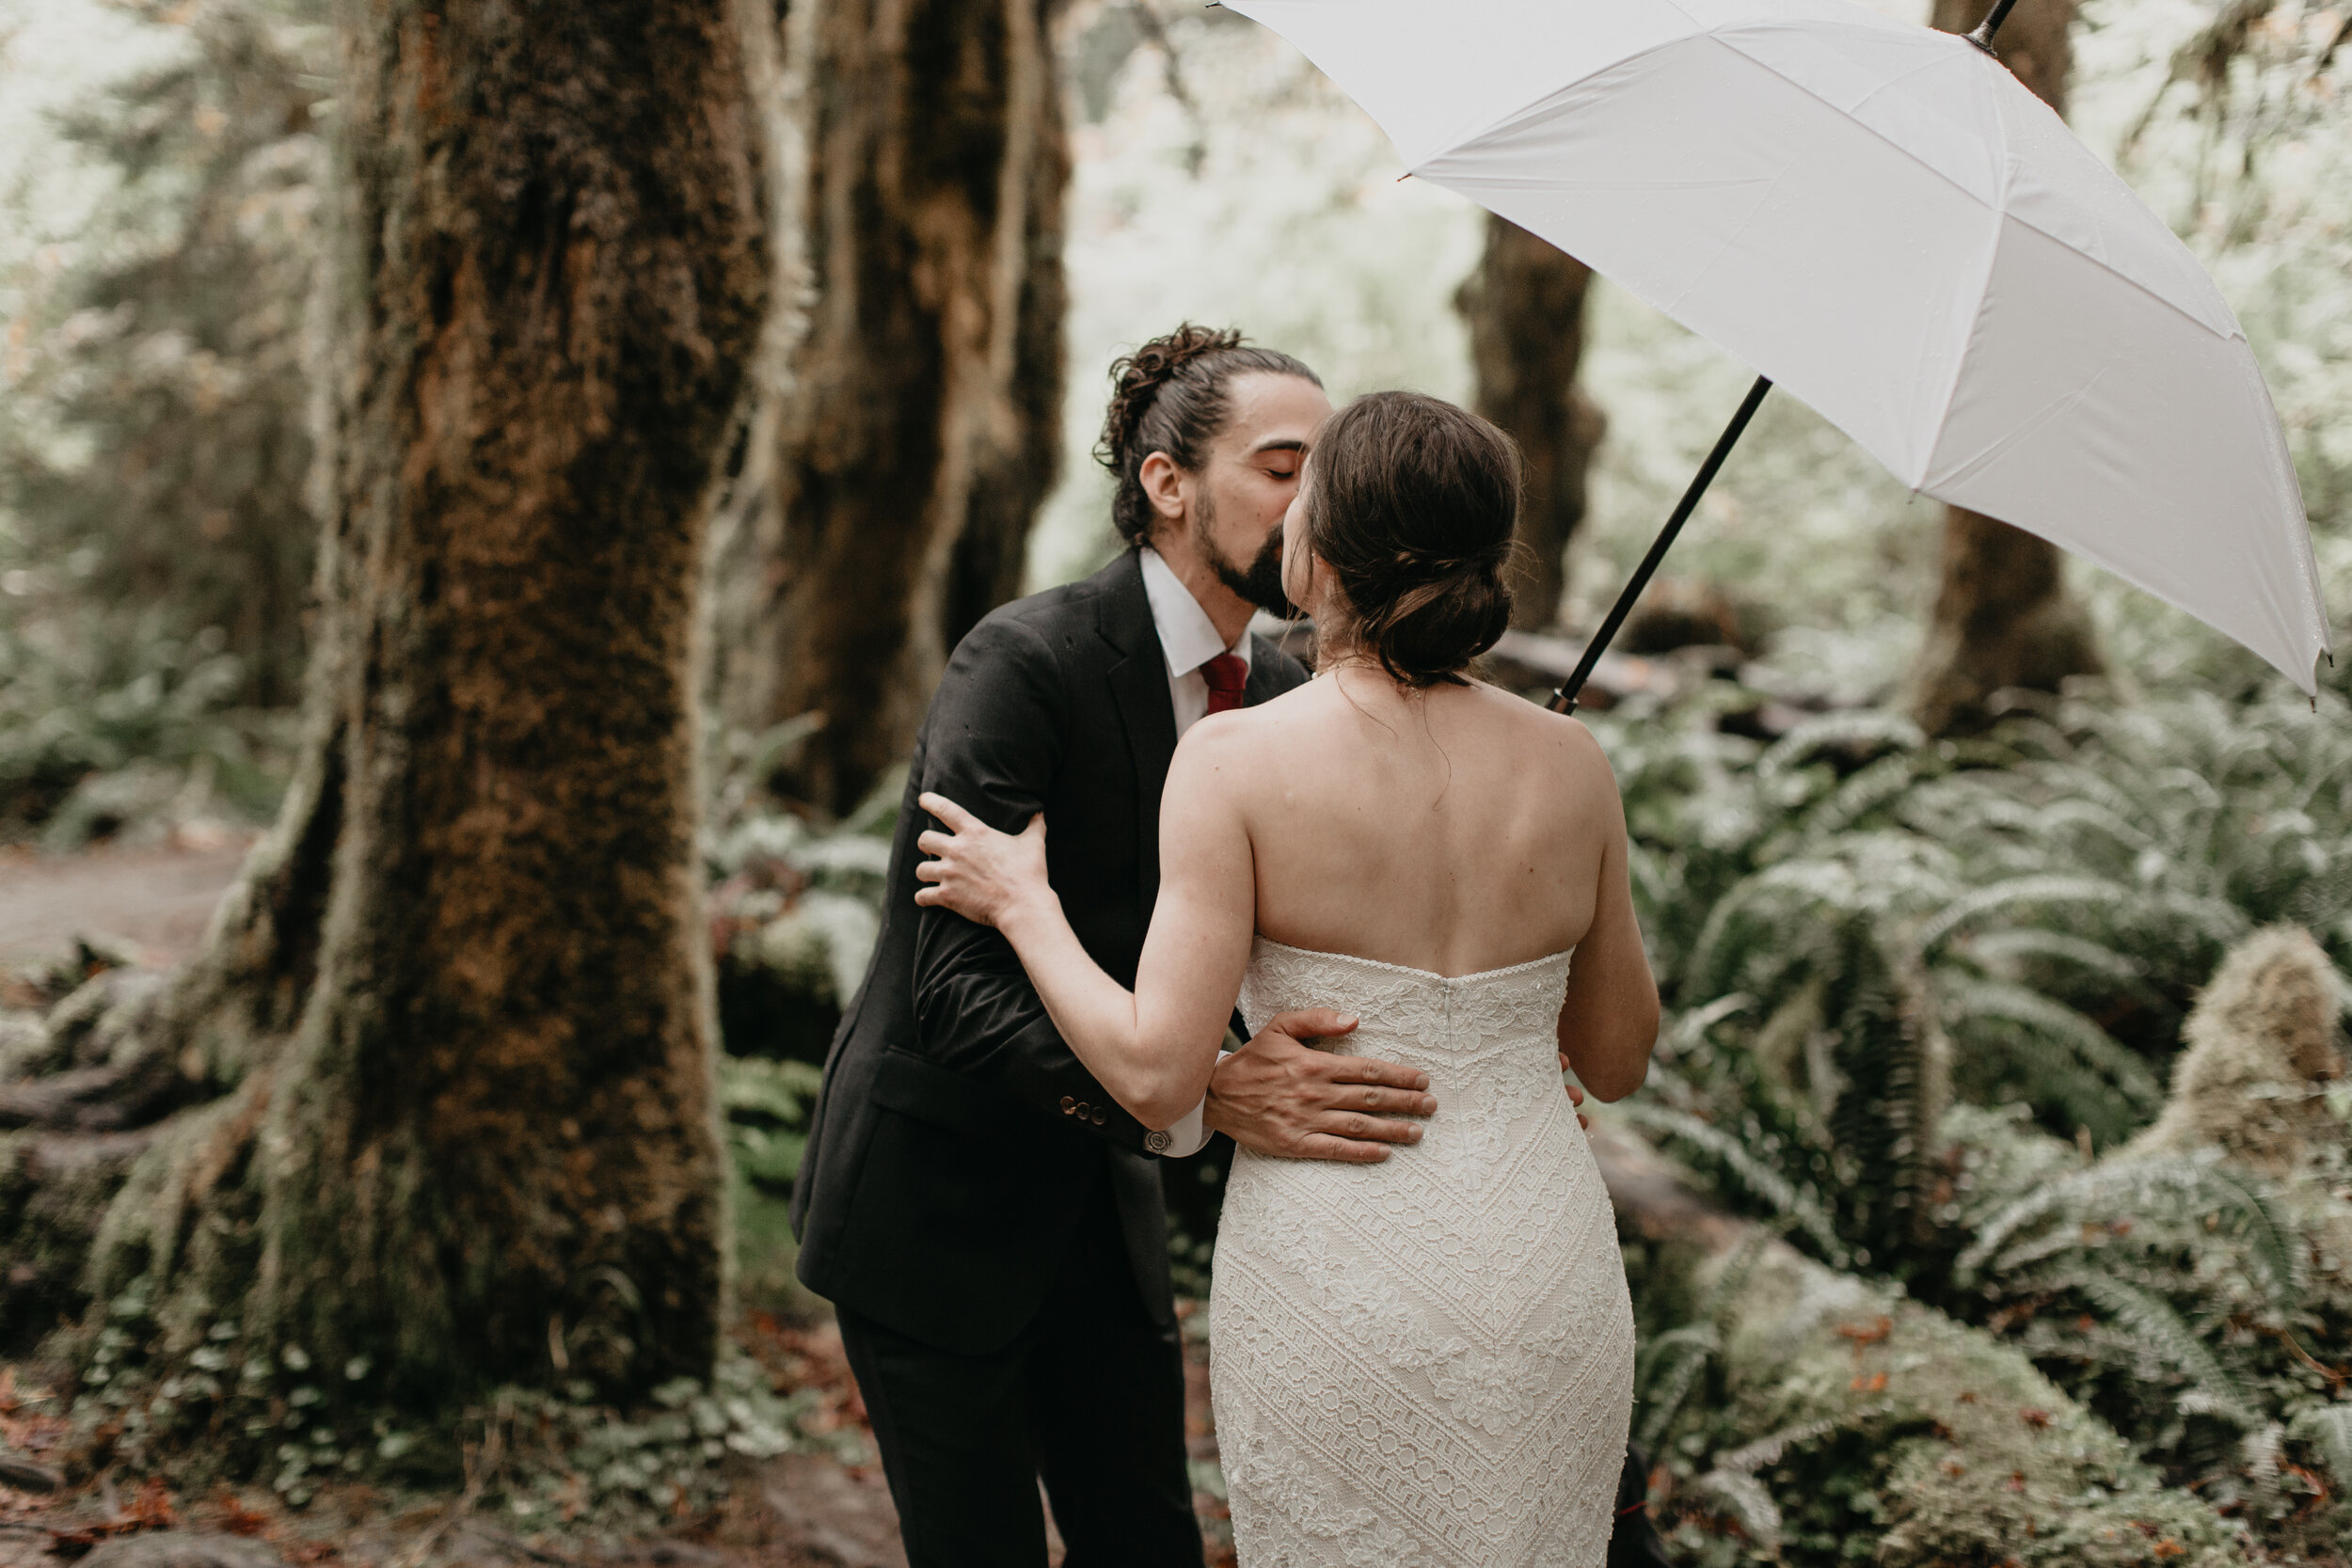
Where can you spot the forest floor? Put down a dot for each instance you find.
(800, 1511)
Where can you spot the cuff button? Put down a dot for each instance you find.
(1069, 1106)
(1099, 1115)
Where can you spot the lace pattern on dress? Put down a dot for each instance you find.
(1429, 1360)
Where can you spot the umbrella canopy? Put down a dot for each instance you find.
(1883, 220)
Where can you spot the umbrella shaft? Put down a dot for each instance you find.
(1564, 700)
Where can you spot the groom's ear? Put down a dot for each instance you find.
(1163, 486)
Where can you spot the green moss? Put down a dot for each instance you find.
(1879, 1427)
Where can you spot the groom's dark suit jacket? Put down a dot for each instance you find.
(957, 1139)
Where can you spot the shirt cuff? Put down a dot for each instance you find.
(1188, 1136)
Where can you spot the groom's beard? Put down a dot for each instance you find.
(1261, 582)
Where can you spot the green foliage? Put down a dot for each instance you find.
(109, 735)
(223, 1411)
(155, 545)
(767, 1105)
(2021, 918)
(1914, 988)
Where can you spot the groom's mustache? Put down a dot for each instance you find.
(1262, 582)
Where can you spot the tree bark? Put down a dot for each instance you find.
(921, 405)
(455, 1020)
(1525, 310)
(2003, 617)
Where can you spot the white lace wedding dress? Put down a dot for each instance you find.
(1427, 1361)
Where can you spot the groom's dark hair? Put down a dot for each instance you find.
(1169, 396)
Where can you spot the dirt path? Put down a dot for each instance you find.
(158, 899)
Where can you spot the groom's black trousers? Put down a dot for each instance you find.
(1089, 1396)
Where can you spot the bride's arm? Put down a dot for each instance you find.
(1609, 1021)
(1152, 1049)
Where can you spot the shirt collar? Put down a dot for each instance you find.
(1188, 636)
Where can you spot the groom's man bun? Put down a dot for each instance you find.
(1169, 395)
(1413, 503)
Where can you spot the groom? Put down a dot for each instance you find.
(987, 1221)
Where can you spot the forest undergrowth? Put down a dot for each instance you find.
(2020, 1060)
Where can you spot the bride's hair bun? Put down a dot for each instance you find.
(1413, 503)
(1169, 395)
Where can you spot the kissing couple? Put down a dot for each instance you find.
(1420, 1342)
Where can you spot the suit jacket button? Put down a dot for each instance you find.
(1157, 1142)
(1069, 1106)
(1098, 1116)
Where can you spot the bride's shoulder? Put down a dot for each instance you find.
(1535, 732)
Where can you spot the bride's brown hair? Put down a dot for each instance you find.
(1413, 504)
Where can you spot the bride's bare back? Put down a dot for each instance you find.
(1454, 829)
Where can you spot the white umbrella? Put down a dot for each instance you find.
(1878, 218)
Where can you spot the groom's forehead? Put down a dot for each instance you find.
(1268, 413)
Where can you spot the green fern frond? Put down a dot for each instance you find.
(1853, 727)
(1778, 1193)
(1689, 1029)
(1749, 1458)
(1882, 781)
(1662, 1402)
(2163, 1332)
(2328, 1427)
(2171, 1186)
(2005, 945)
(2061, 1025)
(2013, 892)
(1748, 1501)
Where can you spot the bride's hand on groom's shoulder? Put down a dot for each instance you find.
(977, 872)
(1278, 1097)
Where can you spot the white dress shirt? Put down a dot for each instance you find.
(1189, 639)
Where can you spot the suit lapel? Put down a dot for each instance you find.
(1140, 691)
(1272, 672)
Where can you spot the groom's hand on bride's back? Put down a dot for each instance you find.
(1278, 1097)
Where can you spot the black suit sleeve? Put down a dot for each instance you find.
(999, 729)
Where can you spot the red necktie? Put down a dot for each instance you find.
(1225, 676)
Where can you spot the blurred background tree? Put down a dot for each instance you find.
(1525, 310)
(915, 430)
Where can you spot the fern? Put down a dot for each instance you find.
(2328, 1427)
(2058, 1024)
(1777, 1192)
(2171, 1186)
(2162, 1332)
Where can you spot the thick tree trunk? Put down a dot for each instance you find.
(459, 1004)
(2003, 617)
(1525, 310)
(920, 418)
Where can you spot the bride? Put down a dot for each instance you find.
(1427, 1360)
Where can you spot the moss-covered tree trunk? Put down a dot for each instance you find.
(1525, 310)
(452, 1027)
(920, 405)
(2003, 617)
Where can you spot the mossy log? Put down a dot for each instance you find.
(1862, 1411)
